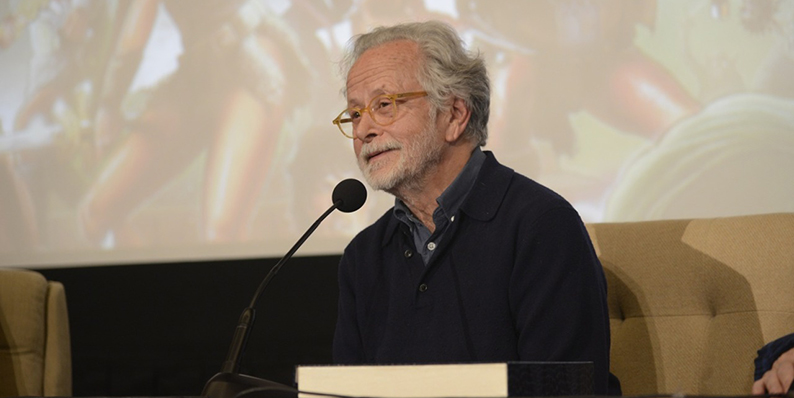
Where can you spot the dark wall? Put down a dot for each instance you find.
(164, 329)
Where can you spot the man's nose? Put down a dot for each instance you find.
(367, 129)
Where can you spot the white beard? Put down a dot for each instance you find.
(416, 159)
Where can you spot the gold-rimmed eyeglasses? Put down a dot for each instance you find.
(382, 109)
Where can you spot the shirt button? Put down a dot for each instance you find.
(452, 219)
(408, 253)
(423, 288)
(431, 246)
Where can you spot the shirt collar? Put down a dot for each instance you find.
(452, 198)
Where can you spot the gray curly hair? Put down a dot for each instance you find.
(448, 70)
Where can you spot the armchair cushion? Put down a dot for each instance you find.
(35, 353)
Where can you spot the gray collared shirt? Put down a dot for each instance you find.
(448, 205)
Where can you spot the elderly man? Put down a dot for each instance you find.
(474, 263)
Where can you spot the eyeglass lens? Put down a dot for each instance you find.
(382, 109)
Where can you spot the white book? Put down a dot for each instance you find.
(452, 380)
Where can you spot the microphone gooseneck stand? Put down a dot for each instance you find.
(348, 196)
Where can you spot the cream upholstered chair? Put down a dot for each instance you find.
(690, 301)
(35, 352)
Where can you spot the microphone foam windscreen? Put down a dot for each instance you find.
(351, 193)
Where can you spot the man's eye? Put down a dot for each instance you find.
(355, 114)
(382, 105)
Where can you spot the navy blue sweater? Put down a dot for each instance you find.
(515, 279)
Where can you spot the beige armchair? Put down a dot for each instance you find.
(35, 352)
(691, 301)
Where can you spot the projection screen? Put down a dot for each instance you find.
(155, 131)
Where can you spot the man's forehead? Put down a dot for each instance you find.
(387, 67)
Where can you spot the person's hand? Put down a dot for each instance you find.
(778, 379)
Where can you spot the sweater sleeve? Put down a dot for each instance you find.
(558, 294)
(769, 353)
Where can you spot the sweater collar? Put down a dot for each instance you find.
(452, 198)
(483, 200)
(489, 190)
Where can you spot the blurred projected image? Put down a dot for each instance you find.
(159, 130)
(237, 77)
(578, 56)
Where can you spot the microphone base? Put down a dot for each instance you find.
(231, 385)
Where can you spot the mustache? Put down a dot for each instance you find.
(372, 149)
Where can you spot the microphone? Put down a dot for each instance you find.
(348, 196)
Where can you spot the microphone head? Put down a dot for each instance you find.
(349, 195)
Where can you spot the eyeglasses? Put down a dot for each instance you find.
(382, 109)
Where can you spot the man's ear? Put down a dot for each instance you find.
(457, 119)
